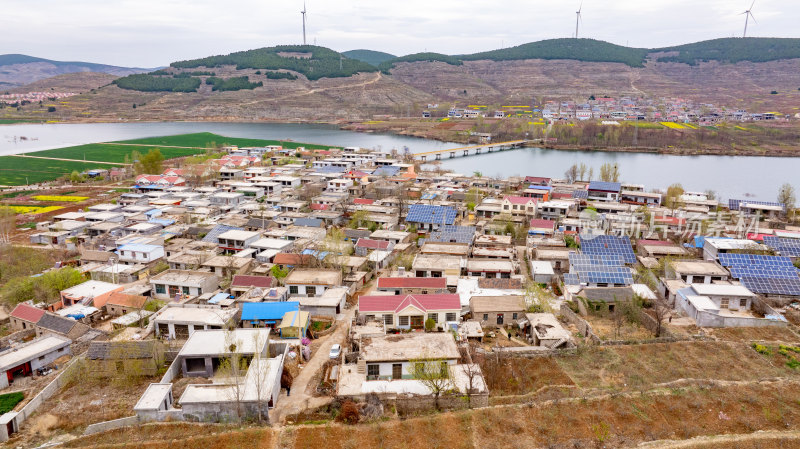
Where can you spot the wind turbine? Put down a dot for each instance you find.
(578, 19)
(303, 12)
(747, 16)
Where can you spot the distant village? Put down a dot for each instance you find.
(611, 110)
(254, 283)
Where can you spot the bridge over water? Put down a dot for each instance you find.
(470, 151)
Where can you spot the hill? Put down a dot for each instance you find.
(369, 56)
(68, 82)
(17, 70)
(309, 60)
(733, 50)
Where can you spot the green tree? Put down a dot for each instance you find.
(75, 177)
(150, 163)
(434, 374)
(786, 196)
(672, 199)
(429, 324)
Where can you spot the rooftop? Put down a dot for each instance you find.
(218, 342)
(197, 315)
(314, 277)
(27, 351)
(414, 346)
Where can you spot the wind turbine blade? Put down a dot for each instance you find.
(751, 6)
(753, 17)
(580, 8)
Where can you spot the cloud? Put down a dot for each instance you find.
(149, 33)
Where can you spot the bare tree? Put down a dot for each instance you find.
(233, 369)
(434, 374)
(8, 221)
(472, 371)
(261, 373)
(571, 174)
(661, 310)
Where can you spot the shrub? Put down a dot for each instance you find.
(349, 413)
(793, 363)
(761, 349)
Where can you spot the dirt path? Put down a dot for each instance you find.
(763, 437)
(377, 78)
(69, 160)
(300, 398)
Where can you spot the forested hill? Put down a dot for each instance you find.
(312, 61)
(733, 50)
(369, 56)
(726, 50)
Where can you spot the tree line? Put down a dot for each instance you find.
(229, 84)
(322, 63)
(148, 83)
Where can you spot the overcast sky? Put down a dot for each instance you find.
(149, 33)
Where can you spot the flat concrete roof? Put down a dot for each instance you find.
(216, 342)
(300, 276)
(721, 290)
(437, 262)
(153, 396)
(700, 267)
(196, 315)
(405, 347)
(17, 355)
(490, 265)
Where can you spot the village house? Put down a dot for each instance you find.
(125, 358)
(310, 282)
(132, 253)
(22, 360)
(89, 293)
(179, 321)
(497, 310)
(179, 283)
(119, 303)
(412, 285)
(410, 311)
(25, 317)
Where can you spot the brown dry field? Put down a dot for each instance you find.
(783, 334)
(642, 366)
(614, 421)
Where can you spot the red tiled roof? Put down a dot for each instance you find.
(670, 220)
(291, 259)
(124, 299)
(561, 196)
(27, 313)
(542, 223)
(537, 180)
(319, 207)
(363, 201)
(372, 244)
(396, 303)
(412, 282)
(518, 199)
(241, 280)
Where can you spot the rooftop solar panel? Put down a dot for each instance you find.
(784, 246)
(735, 204)
(571, 279)
(767, 286)
(580, 194)
(596, 259)
(423, 213)
(454, 234)
(214, 233)
(764, 272)
(608, 245)
(746, 260)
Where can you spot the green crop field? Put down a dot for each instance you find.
(193, 143)
(13, 170)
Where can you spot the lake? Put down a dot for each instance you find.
(730, 176)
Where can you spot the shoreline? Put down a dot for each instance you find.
(360, 127)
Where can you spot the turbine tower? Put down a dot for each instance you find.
(578, 19)
(747, 16)
(303, 12)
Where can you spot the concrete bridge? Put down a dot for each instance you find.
(469, 151)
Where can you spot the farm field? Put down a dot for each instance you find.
(14, 170)
(189, 144)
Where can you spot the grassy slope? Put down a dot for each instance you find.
(13, 170)
(369, 56)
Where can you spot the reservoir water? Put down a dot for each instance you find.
(730, 176)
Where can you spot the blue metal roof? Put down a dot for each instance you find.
(270, 311)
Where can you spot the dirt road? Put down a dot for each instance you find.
(301, 398)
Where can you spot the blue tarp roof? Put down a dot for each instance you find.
(218, 297)
(270, 311)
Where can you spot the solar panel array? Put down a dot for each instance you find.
(766, 275)
(764, 272)
(605, 186)
(770, 286)
(746, 260)
(213, 234)
(609, 245)
(571, 279)
(786, 247)
(423, 213)
(580, 194)
(595, 259)
(734, 204)
(453, 233)
(600, 274)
